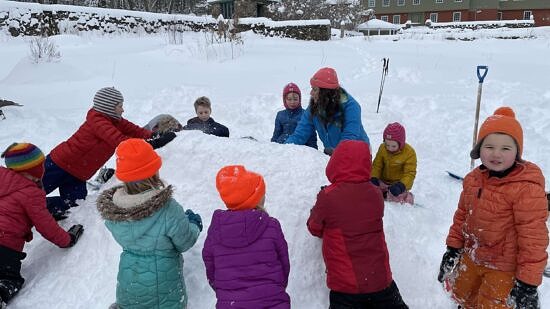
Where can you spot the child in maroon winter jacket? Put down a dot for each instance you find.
(348, 217)
(22, 206)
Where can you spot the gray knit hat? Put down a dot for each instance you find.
(106, 99)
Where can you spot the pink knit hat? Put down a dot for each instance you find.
(292, 87)
(395, 132)
(325, 78)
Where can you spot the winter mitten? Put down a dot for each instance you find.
(448, 263)
(194, 218)
(375, 181)
(161, 140)
(105, 174)
(75, 231)
(397, 188)
(523, 296)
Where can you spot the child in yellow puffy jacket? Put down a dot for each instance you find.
(394, 167)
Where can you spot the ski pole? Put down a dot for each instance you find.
(382, 80)
(480, 76)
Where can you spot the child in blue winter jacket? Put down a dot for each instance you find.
(152, 229)
(287, 119)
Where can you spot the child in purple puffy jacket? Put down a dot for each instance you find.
(245, 251)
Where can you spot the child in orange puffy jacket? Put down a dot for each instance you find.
(496, 247)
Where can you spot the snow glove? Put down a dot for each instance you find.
(160, 139)
(448, 263)
(194, 218)
(75, 231)
(523, 296)
(328, 151)
(397, 188)
(375, 181)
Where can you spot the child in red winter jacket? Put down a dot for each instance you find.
(22, 206)
(348, 217)
(74, 161)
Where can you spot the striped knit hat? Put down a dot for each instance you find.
(106, 99)
(24, 157)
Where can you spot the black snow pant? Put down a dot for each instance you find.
(388, 298)
(10, 272)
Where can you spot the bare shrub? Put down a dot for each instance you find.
(42, 49)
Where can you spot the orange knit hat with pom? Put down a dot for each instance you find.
(240, 189)
(504, 121)
(136, 160)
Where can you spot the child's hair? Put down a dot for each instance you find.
(136, 187)
(202, 101)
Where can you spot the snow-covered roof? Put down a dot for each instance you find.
(376, 24)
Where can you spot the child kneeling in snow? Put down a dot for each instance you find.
(496, 247)
(245, 251)
(394, 167)
(152, 229)
(348, 217)
(22, 206)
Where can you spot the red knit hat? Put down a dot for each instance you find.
(136, 160)
(292, 87)
(504, 121)
(325, 78)
(25, 158)
(240, 189)
(395, 132)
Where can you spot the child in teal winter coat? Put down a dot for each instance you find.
(152, 229)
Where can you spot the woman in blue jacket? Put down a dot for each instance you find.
(332, 112)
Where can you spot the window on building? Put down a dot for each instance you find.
(384, 18)
(438, 1)
(416, 2)
(457, 16)
(400, 2)
(527, 15)
(499, 16)
(433, 17)
(397, 19)
(458, 0)
(385, 2)
(372, 3)
(227, 9)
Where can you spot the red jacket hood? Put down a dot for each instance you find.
(350, 162)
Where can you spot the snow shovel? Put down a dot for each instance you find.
(481, 73)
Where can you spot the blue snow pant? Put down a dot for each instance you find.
(10, 272)
(70, 188)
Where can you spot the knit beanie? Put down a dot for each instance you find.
(106, 99)
(25, 157)
(325, 78)
(240, 189)
(504, 121)
(292, 87)
(395, 132)
(136, 160)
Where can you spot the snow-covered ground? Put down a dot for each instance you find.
(431, 89)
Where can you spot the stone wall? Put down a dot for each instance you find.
(26, 19)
